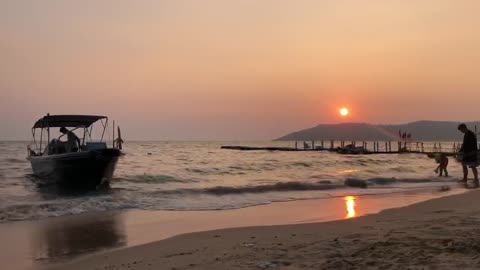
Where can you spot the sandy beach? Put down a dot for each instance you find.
(250, 134)
(440, 233)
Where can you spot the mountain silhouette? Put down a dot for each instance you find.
(420, 130)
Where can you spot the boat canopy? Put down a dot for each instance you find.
(67, 121)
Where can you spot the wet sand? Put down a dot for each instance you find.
(441, 233)
(58, 241)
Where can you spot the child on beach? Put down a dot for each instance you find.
(442, 161)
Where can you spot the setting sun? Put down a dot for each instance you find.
(344, 111)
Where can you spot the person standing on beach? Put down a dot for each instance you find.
(469, 153)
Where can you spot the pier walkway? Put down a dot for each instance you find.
(361, 148)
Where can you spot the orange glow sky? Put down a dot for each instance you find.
(249, 69)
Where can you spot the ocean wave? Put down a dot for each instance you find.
(199, 176)
(15, 160)
(197, 170)
(402, 169)
(153, 179)
(279, 187)
(58, 203)
(27, 211)
(392, 180)
(301, 164)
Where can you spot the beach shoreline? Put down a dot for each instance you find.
(53, 242)
(439, 233)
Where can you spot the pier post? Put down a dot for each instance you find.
(313, 144)
(322, 144)
(386, 147)
(331, 144)
(389, 146)
(423, 149)
(296, 145)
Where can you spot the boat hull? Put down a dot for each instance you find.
(80, 169)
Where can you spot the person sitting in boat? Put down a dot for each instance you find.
(53, 147)
(73, 142)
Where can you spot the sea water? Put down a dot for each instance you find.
(202, 176)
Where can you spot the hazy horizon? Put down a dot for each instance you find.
(258, 140)
(219, 70)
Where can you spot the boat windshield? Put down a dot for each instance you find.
(59, 139)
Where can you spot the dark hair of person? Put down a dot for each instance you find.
(63, 129)
(462, 126)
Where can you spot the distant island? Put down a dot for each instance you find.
(420, 131)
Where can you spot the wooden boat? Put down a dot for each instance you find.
(353, 150)
(90, 164)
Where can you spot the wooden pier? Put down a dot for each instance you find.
(361, 148)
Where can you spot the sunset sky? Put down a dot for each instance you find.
(237, 69)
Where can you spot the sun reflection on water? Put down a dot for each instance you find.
(350, 205)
